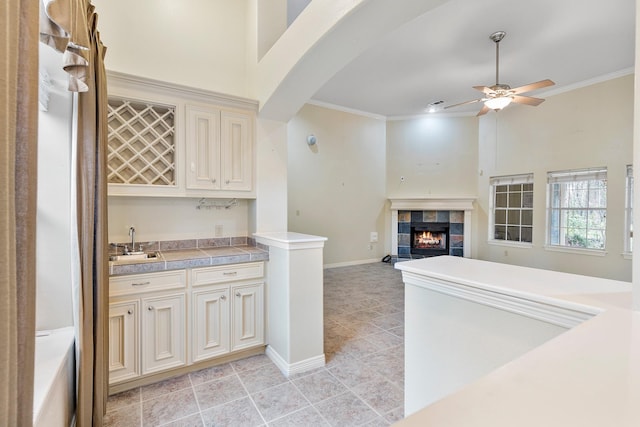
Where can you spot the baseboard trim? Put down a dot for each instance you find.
(350, 263)
(288, 369)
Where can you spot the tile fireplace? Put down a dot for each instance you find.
(431, 227)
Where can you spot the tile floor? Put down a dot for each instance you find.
(361, 385)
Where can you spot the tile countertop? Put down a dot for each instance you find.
(189, 258)
(587, 376)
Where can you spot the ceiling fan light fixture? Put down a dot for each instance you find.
(498, 103)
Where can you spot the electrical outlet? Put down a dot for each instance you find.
(219, 230)
(373, 237)
(370, 246)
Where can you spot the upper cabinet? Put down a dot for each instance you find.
(219, 149)
(169, 140)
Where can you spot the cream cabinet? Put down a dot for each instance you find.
(219, 149)
(248, 317)
(171, 141)
(228, 305)
(124, 341)
(210, 322)
(164, 335)
(147, 324)
(171, 319)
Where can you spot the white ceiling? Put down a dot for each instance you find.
(442, 54)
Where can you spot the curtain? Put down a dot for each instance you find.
(91, 202)
(71, 27)
(18, 155)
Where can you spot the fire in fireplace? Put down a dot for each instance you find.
(430, 238)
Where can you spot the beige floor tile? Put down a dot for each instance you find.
(308, 417)
(319, 386)
(238, 413)
(345, 410)
(218, 392)
(279, 401)
(190, 421)
(123, 416)
(382, 396)
(210, 374)
(169, 407)
(125, 398)
(261, 378)
(166, 386)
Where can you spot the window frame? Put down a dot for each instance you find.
(572, 176)
(628, 214)
(496, 181)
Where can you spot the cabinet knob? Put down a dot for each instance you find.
(214, 180)
(238, 294)
(129, 311)
(227, 181)
(223, 297)
(150, 308)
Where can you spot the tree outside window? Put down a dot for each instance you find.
(578, 208)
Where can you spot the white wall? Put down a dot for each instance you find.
(337, 187)
(587, 127)
(270, 206)
(199, 43)
(436, 156)
(157, 218)
(53, 244)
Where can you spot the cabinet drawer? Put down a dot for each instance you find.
(136, 283)
(226, 273)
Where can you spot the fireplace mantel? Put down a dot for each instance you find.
(439, 203)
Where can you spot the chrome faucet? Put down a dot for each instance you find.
(132, 233)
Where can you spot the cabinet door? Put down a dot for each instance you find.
(247, 317)
(123, 341)
(203, 148)
(163, 332)
(210, 323)
(236, 150)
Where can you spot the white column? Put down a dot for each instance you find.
(294, 290)
(394, 232)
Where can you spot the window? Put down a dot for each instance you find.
(628, 212)
(577, 208)
(512, 208)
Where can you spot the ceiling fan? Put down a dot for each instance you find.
(500, 95)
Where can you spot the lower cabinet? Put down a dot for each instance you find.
(147, 324)
(248, 317)
(164, 335)
(155, 318)
(124, 341)
(228, 309)
(210, 323)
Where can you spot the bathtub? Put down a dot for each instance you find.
(54, 378)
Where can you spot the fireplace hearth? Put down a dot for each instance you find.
(429, 238)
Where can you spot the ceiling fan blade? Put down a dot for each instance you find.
(464, 103)
(532, 86)
(484, 110)
(528, 100)
(484, 89)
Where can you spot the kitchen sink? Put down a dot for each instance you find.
(135, 256)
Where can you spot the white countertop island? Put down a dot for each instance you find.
(489, 344)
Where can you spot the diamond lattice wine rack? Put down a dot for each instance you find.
(141, 148)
